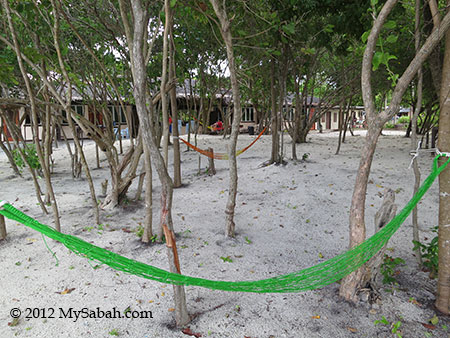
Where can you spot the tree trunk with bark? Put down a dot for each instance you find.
(443, 285)
(414, 145)
(174, 110)
(351, 283)
(148, 222)
(225, 29)
(136, 43)
(274, 157)
(164, 103)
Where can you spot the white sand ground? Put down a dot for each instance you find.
(292, 216)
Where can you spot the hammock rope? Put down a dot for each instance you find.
(222, 156)
(310, 278)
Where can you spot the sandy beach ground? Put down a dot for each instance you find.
(288, 217)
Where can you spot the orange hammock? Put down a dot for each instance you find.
(221, 156)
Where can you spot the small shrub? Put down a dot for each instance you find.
(227, 259)
(404, 119)
(394, 326)
(388, 268)
(429, 253)
(389, 126)
(139, 231)
(30, 155)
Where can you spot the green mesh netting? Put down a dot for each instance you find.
(311, 278)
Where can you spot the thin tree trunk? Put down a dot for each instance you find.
(2, 227)
(298, 111)
(443, 285)
(148, 222)
(135, 43)
(174, 110)
(340, 125)
(164, 103)
(225, 29)
(275, 121)
(351, 283)
(414, 132)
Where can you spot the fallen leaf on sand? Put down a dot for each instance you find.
(66, 291)
(352, 329)
(434, 320)
(14, 322)
(315, 317)
(189, 332)
(429, 326)
(415, 302)
(171, 309)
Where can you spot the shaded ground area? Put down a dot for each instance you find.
(287, 218)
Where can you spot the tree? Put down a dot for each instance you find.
(137, 49)
(225, 29)
(443, 286)
(351, 283)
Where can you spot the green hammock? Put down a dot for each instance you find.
(311, 278)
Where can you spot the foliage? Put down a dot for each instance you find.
(30, 156)
(389, 126)
(404, 119)
(393, 326)
(113, 332)
(429, 253)
(388, 268)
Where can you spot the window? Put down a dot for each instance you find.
(290, 115)
(334, 117)
(28, 119)
(247, 114)
(117, 114)
(64, 121)
(78, 109)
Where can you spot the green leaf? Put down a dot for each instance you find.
(227, 259)
(365, 36)
(275, 52)
(329, 28)
(373, 2)
(173, 3)
(376, 61)
(386, 57)
(391, 24)
(289, 28)
(392, 38)
(434, 320)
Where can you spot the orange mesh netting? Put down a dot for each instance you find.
(222, 156)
